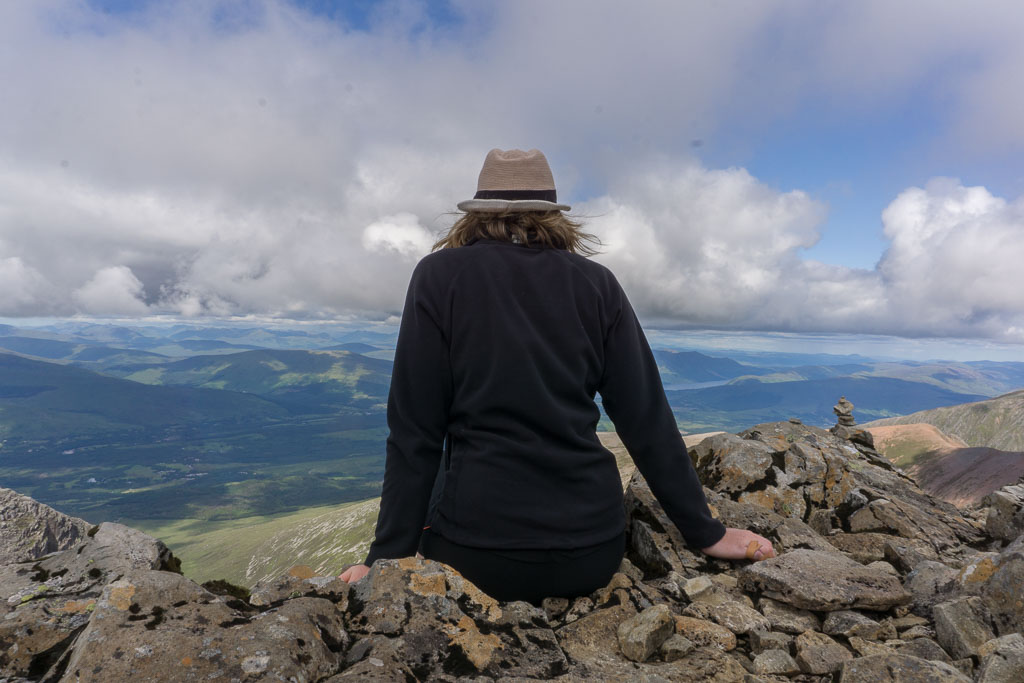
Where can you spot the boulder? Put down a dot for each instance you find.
(735, 616)
(821, 581)
(962, 625)
(730, 464)
(769, 640)
(928, 584)
(775, 662)
(47, 603)
(705, 633)
(29, 529)
(594, 638)
(654, 541)
(925, 648)
(1002, 659)
(788, 619)
(1002, 590)
(818, 654)
(152, 625)
(898, 668)
(642, 635)
(676, 647)
(848, 624)
(1005, 518)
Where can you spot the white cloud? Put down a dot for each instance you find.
(111, 291)
(290, 167)
(954, 264)
(24, 289)
(702, 246)
(401, 233)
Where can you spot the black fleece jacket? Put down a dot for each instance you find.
(501, 350)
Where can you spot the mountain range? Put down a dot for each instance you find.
(158, 425)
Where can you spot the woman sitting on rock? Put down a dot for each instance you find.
(508, 334)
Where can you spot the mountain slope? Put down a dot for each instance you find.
(309, 381)
(945, 466)
(679, 367)
(247, 550)
(993, 423)
(47, 401)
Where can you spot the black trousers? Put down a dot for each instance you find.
(530, 575)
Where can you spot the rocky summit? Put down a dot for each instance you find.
(874, 581)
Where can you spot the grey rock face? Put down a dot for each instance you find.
(676, 647)
(45, 605)
(789, 619)
(962, 625)
(735, 616)
(818, 654)
(727, 463)
(1005, 520)
(141, 616)
(1002, 590)
(1002, 659)
(769, 640)
(930, 583)
(642, 635)
(777, 662)
(821, 581)
(29, 529)
(899, 669)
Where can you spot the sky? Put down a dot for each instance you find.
(790, 166)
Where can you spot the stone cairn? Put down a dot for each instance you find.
(844, 413)
(875, 581)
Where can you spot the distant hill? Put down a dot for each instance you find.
(749, 401)
(105, 448)
(992, 423)
(305, 381)
(48, 401)
(945, 466)
(691, 367)
(76, 352)
(980, 377)
(354, 347)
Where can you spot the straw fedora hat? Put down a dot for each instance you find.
(514, 180)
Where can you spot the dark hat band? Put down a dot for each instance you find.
(543, 195)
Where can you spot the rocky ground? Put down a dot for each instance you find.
(875, 581)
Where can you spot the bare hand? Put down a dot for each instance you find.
(354, 573)
(739, 544)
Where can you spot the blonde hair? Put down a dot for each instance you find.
(546, 228)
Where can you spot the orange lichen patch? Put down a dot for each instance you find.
(302, 571)
(977, 572)
(121, 597)
(427, 585)
(186, 661)
(76, 606)
(410, 563)
(759, 498)
(477, 647)
(489, 604)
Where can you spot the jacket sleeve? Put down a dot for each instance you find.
(418, 406)
(634, 399)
